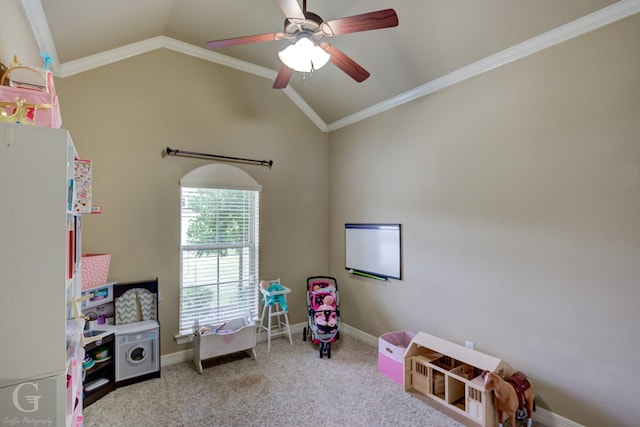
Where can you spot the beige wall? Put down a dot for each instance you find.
(519, 193)
(16, 37)
(124, 115)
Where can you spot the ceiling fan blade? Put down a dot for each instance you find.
(292, 11)
(346, 64)
(216, 44)
(283, 77)
(367, 21)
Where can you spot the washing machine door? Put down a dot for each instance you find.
(137, 354)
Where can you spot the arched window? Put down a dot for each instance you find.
(218, 246)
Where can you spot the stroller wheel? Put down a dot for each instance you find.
(328, 346)
(338, 335)
(304, 333)
(321, 349)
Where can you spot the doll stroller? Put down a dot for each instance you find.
(323, 320)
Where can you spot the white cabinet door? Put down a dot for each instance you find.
(33, 251)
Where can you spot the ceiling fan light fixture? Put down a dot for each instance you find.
(304, 56)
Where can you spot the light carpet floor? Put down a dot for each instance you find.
(289, 386)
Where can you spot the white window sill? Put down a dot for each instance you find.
(183, 338)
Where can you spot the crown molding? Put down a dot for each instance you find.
(586, 24)
(35, 15)
(162, 42)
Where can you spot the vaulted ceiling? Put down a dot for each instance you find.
(437, 42)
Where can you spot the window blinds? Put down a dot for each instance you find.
(219, 255)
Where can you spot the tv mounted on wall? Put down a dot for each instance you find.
(374, 250)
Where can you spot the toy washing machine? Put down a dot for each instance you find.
(137, 350)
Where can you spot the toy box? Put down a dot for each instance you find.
(233, 336)
(391, 347)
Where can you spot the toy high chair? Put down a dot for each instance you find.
(274, 299)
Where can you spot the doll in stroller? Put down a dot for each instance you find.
(323, 320)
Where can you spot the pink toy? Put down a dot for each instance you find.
(324, 315)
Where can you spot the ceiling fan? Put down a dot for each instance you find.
(306, 30)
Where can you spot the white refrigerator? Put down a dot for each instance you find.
(40, 375)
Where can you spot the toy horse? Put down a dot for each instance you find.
(511, 396)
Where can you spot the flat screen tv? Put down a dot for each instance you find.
(374, 250)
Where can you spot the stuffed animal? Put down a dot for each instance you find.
(326, 313)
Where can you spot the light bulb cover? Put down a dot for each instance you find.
(304, 56)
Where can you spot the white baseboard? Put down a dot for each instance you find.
(177, 357)
(357, 333)
(551, 419)
(541, 415)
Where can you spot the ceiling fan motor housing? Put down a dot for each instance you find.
(309, 28)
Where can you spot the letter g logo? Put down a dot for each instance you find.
(30, 399)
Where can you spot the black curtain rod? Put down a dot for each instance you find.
(172, 152)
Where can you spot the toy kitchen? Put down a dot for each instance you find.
(121, 336)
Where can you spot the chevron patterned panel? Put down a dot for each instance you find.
(147, 302)
(127, 308)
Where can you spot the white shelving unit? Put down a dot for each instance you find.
(39, 269)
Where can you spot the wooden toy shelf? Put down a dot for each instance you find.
(448, 377)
